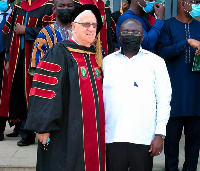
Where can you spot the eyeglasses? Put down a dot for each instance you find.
(86, 24)
(128, 33)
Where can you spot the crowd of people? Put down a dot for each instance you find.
(100, 90)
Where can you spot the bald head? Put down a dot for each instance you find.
(131, 24)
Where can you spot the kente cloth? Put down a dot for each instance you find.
(46, 38)
(66, 100)
(34, 17)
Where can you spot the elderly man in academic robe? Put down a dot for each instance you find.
(66, 101)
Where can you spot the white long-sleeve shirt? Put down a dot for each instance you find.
(137, 94)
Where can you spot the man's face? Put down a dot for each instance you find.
(143, 2)
(188, 4)
(131, 36)
(130, 29)
(125, 6)
(85, 29)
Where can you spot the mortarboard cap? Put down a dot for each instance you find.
(95, 11)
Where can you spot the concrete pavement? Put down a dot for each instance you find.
(15, 158)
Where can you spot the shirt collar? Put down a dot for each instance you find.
(57, 27)
(135, 56)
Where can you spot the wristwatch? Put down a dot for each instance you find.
(160, 135)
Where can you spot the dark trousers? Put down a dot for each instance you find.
(26, 134)
(3, 124)
(192, 142)
(121, 156)
(17, 101)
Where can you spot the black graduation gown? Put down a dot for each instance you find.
(66, 99)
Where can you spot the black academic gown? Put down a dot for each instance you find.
(66, 100)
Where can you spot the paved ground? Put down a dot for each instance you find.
(15, 158)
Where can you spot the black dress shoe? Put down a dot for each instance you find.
(13, 134)
(25, 142)
(1, 137)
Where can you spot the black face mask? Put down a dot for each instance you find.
(64, 15)
(131, 43)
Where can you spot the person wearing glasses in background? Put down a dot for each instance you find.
(66, 100)
(178, 43)
(137, 94)
(56, 32)
(136, 11)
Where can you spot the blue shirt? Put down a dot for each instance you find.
(179, 57)
(151, 33)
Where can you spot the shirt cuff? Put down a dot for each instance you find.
(182, 45)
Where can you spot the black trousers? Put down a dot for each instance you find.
(192, 142)
(121, 155)
(2, 124)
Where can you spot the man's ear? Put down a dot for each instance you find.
(73, 26)
(182, 3)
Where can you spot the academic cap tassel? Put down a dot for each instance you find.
(98, 55)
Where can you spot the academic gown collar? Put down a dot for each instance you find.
(72, 46)
(36, 4)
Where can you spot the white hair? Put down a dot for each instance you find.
(77, 19)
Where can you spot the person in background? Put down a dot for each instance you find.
(21, 29)
(136, 11)
(56, 32)
(178, 43)
(5, 11)
(124, 6)
(137, 94)
(66, 100)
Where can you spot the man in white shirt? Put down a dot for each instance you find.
(137, 95)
